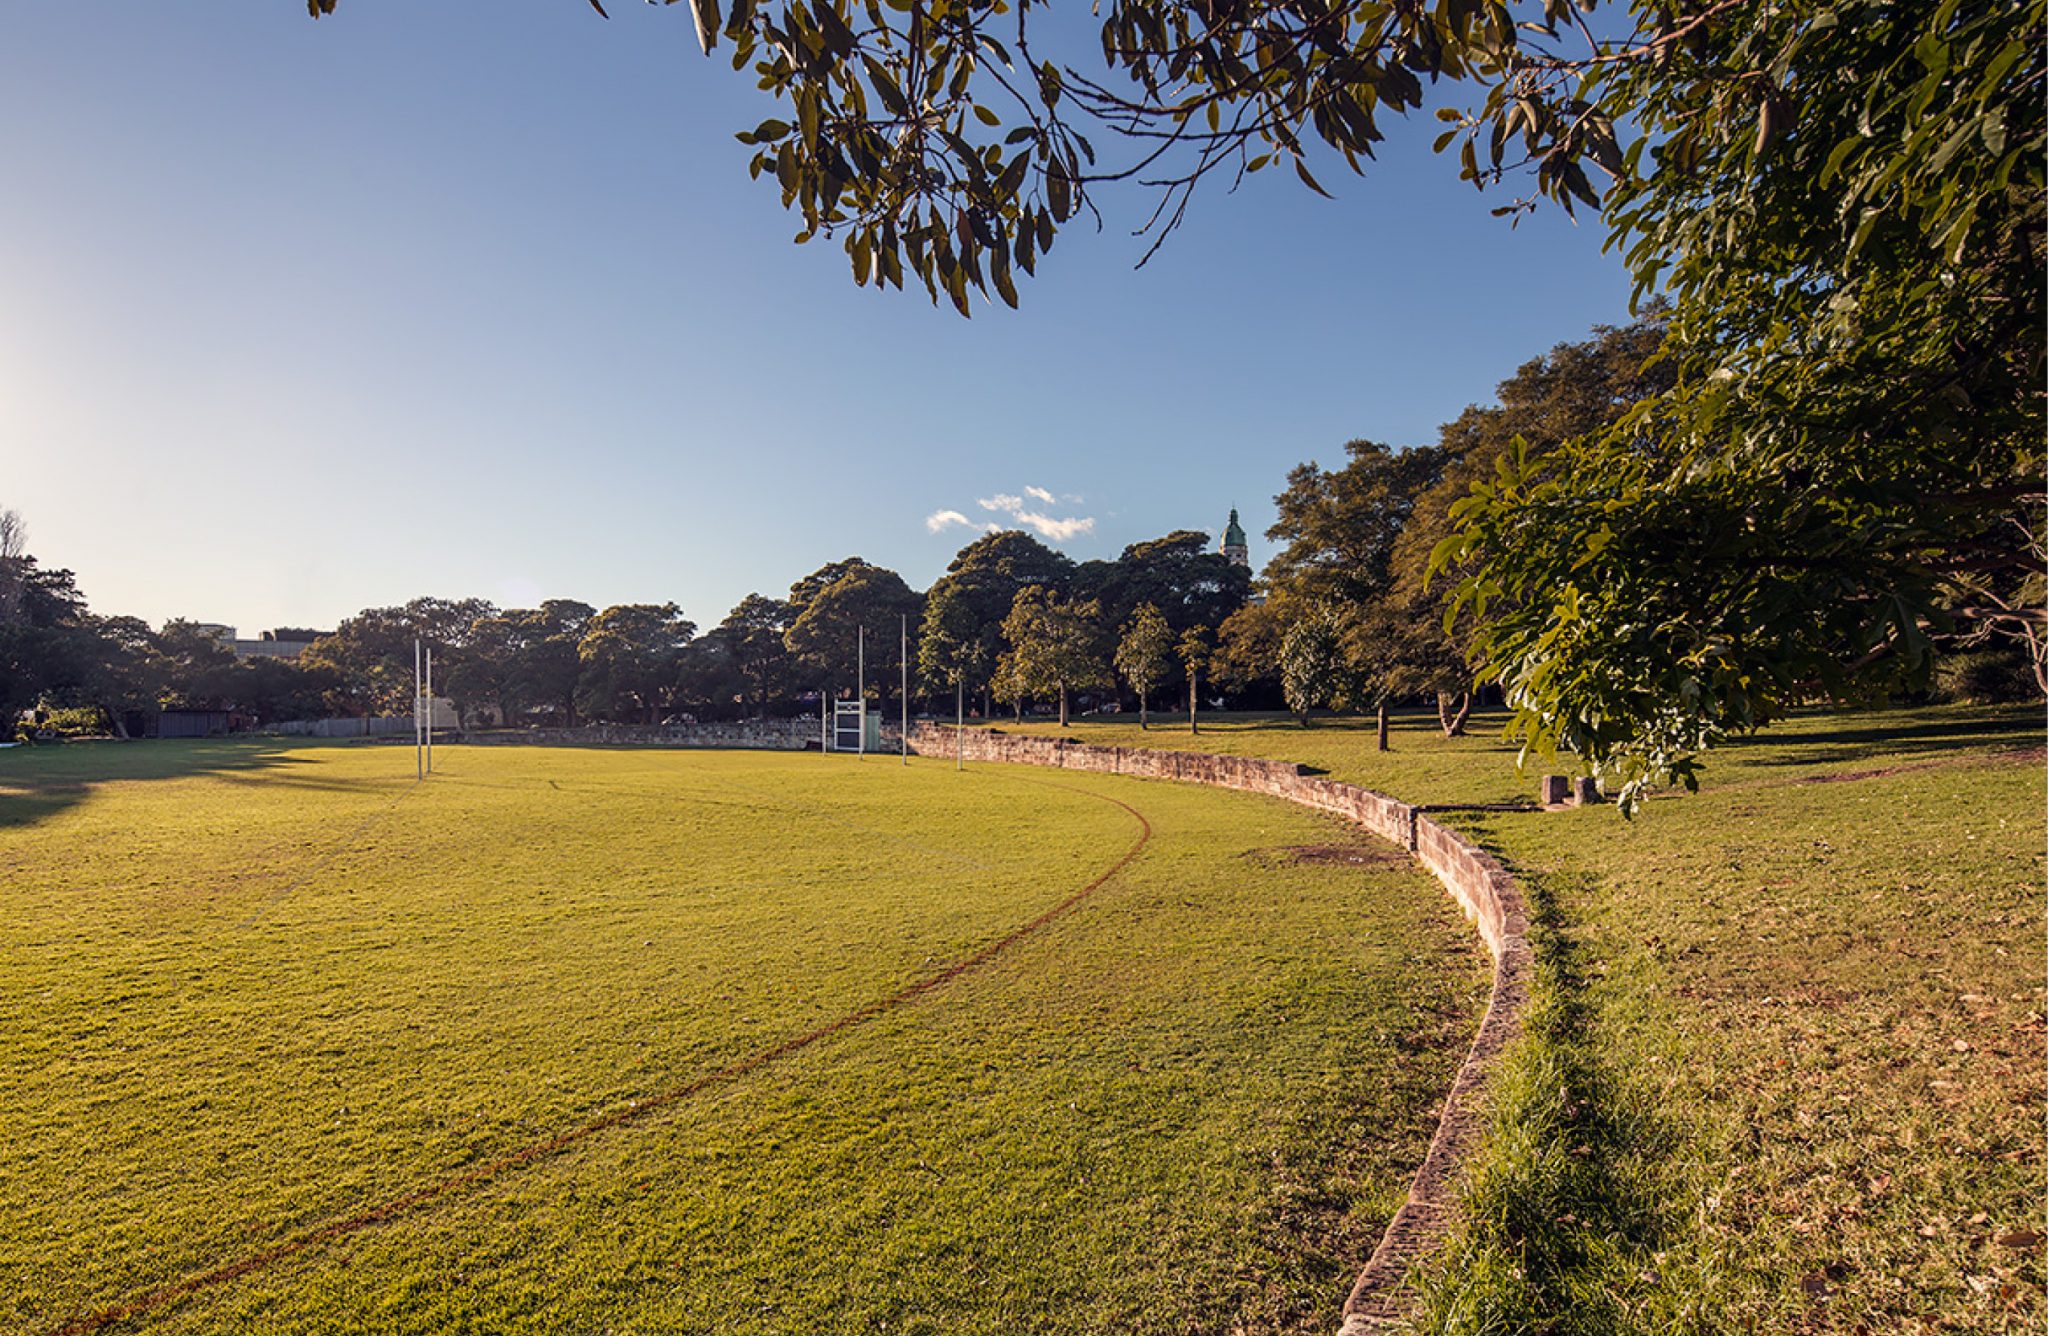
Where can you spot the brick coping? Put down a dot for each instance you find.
(1381, 1299)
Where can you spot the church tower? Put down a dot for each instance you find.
(1234, 548)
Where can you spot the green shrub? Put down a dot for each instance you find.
(1986, 677)
(76, 721)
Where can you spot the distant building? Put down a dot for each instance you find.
(286, 642)
(1234, 548)
(194, 723)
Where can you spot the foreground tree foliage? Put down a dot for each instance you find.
(1574, 390)
(1847, 470)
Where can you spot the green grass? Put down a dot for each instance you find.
(250, 990)
(1784, 1070)
(1423, 766)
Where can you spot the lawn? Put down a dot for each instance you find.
(552, 1043)
(1786, 1067)
(1423, 766)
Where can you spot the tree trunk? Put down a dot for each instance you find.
(1383, 725)
(1194, 699)
(1063, 705)
(1018, 706)
(1141, 711)
(1454, 726)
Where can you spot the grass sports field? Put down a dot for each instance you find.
(667, 1041)
(1785, 1070)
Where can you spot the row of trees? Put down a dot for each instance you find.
(56, 653)
(1368, 601)
(1360, 614)
(1011, 619)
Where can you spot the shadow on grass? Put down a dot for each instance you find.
(1563, 1215)
(1830, 740)
(37, 783)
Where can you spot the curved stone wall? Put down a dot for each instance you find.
(1472, 877)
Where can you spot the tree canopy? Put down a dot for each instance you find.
(631, 653)
(1055, 648)
(1145, 655)
(962, 638)
(1842, 201)
(826, 633)
(1847, 467)
(1182, 575)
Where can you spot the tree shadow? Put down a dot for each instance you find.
(1570, 1213)
(37, 783)
(1808, 741)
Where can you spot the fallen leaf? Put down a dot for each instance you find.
(2019, 1238)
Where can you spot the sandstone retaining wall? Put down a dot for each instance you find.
(1473, 878)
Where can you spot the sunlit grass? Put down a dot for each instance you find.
(1785, 1069)
(251, 990)
(1421, 765)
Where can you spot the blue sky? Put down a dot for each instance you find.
(469, 298)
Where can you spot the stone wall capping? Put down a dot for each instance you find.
(1382, 1299)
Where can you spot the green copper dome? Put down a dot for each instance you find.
(1234, 535)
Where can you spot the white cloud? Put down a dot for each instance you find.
(1057, 530)
(940, 520)
(1053, 527)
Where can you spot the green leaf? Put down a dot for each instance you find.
(886, 88)
(1301, 170)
